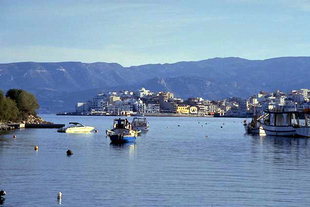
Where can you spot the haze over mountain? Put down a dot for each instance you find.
(60, 85)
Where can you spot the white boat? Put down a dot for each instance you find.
(140, 124)
(75, 127)
(280, 123)
(303, 129)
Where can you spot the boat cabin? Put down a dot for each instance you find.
(139, 122)
(282, 118)
(121, 124)
(75, 124)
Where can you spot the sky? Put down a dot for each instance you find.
(135, 32)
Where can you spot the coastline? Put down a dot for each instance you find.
(134, 115)
(155, 115)
(32, 122)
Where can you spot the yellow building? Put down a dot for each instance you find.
(182, 109)
(193, 110)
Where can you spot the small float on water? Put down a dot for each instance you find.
(140, 124)
(75, 127)
(122, 132)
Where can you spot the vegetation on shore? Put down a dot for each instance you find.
(17, 105)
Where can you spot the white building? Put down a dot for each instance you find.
(144, 92)
(152, 108)
(82, 107)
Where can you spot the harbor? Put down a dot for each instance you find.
(169, 165)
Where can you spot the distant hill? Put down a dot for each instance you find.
(59, 85)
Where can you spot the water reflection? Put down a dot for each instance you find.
(2, 201)
(281, 141)
(131, 147)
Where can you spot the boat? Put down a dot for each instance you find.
(75, 127)
(303, 129)
(280, 122)
(122, 132)
(140, 124)
(287, 123)
(255, 127)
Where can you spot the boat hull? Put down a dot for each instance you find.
(76, 130)
(122, 139)
(286, 131)
(252, 131)
(303, 132)
(142, 129)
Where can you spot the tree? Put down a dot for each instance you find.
(8, 109)
(25, 102)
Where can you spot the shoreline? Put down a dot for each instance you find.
(155, 115)
(146, 115)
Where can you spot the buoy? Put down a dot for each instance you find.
(36, 148)
(221, 126)
(59, 195)
(69, 153)
(14, 136)
(178, 125)
(2, 193)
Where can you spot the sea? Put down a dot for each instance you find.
(180, 161)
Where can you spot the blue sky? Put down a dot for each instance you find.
(140, 31)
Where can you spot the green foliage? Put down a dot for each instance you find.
(26, 102)
(17, 105)
(8, 109)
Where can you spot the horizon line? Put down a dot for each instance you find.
(169, 63)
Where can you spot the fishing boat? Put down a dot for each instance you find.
(122, 132)
(280, 122)
(75, 127)
(140, 124)
(255, 127)
(303, 129)
(287, 123)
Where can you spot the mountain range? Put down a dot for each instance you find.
(59, 85)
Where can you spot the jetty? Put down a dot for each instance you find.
(46, 126)
(42, 126)
(5, 127)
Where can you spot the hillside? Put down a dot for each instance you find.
(59, 85)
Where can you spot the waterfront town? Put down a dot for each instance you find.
(149, 103)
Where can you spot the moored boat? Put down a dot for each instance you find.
(255, 126)
(122, 132)
(280, 123)
(303, 130)
(75, 127)
(286, 123)
(140, 124)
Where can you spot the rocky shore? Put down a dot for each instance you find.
(5, 127)
(35, 120)
(31, 119)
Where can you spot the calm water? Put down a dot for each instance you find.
(197, 163)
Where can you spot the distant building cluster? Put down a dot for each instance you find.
(146, 102)
(296, 99)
